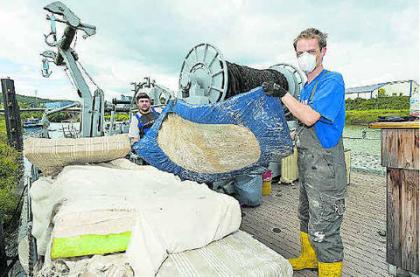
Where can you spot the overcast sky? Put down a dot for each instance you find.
(368, 41)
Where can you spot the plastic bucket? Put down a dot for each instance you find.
(266, 185)
(266, 188)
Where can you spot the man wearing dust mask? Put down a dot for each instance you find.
(322, 170)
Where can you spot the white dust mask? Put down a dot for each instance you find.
(307, 62)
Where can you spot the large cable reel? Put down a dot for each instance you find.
(295, 79)
(206, 77)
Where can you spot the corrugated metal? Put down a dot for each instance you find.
(362, 89)
(370, 88)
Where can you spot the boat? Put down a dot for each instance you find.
(32, 123)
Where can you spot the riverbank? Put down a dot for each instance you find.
(364, 117)
(10, 174)
(365, 146)
(363, 111)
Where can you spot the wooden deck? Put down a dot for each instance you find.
(275, 224)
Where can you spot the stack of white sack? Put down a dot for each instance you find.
(161, 213)
(51, 155)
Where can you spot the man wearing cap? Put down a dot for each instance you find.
(143, 119)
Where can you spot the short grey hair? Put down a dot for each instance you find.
(312, 33)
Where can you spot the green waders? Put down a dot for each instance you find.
(322, 176)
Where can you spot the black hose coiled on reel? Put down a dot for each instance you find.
(243, 78)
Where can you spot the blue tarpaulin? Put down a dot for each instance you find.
(262, 115)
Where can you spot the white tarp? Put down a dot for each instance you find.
(236, 255)
(170, 216)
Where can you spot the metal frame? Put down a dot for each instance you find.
(91, 123)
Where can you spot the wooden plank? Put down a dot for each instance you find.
(400, 148)
(409, 220)
(389, 139)
(12, 114)
(409, 156)
(393, 247)
(394, 125)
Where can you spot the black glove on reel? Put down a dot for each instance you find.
(273, 89)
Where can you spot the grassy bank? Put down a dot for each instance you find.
(118, 117)
(364, 111)
(380, 103)
(10, 174)
(359, 117)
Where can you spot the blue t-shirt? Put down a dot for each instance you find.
(328, 101)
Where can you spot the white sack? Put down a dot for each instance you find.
(170, 215)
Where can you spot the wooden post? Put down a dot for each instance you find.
(12, 114)
(400, 155)
(15, 139)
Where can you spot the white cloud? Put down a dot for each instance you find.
(146, 38)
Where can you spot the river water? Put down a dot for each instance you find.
(55, 130)
(365, 146)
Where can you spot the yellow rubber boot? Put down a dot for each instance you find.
(307, 258)
(330, 269)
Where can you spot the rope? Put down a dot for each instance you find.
(69, 77)
(244, 78)
(364, 133)
(75, 41)
(362, 138)
(31, 261)
(81, 66)
(87, 74)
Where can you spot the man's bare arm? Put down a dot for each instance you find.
(304, 113)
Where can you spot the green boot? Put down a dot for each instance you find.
(307, 258)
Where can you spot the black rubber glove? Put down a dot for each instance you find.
(273, 89)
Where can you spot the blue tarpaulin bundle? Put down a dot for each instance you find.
(260, 115)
